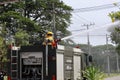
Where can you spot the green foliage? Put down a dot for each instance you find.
(93, 73)
(34, 16)
(115, 35)
(13, 18)
(118, 49)
(44, 10)
(12, 22)
(3, 50)
(22, 20)
(115, 15)
(21, 38)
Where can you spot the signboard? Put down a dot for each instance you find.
(32, 61)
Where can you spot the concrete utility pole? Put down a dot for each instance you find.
(108, 56)
(117, 60)
(117, 56)
(54, 22)
(88, 40)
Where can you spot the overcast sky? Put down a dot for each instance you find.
(99, 17)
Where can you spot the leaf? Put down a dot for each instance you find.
(93, 73)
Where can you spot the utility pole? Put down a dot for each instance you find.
(117, 55)
(54, 22)
(117, 60)
(88, 40)
(108, 56)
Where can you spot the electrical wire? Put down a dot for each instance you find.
(83, 19)
(77, 30)
(99, 35)
(94, 8)
(78, 19)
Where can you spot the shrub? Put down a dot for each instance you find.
(93, 73)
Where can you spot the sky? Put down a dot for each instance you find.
(98, 17)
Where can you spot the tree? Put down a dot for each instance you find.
(12, 22)
(27, 20)
(43, 12)
(85, 47)
(100, 53)
(115, 34)
(3, 52)
(22, 38)
(34, 16)
(100, 57)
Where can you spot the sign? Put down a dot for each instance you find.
(32, 61)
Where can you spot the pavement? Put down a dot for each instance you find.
(113, 78)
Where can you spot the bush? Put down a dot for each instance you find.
(93, 73)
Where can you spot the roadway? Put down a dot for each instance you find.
(113, 78)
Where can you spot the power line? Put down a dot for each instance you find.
(78, 16)
(78, 19)
(99, 35)
(94, 8)
(77, 30)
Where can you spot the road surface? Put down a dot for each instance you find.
(113, 78)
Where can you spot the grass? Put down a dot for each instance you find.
(111, 75)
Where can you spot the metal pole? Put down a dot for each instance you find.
(88, 40)
(42, 67)
(108, 60)
(54, 26)
(46, 59)
(118, 69)
(17, 61)
(117, 56)
(117, 62)
(20, 66)
(108, 57)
